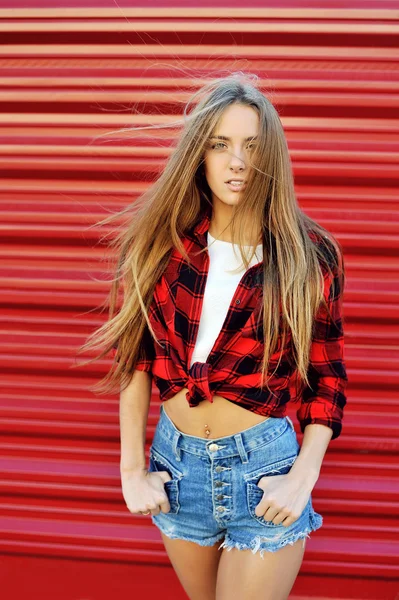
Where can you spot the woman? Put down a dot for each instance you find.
(231, 296)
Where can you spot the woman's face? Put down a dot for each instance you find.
(228, 151)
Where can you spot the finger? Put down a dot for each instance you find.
(276, 517)
(282, 517)
(163, 503)
(264, 507)
(155, 511)
(165, 506)
(289, 520)
(164, 476)
(272, 512)
(268, 510)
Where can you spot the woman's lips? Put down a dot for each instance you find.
(235, 188)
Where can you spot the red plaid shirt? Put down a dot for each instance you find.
(231, 367)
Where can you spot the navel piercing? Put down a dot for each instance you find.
(207, 431)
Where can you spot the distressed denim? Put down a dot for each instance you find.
(213, 492)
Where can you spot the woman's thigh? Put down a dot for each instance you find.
(195, 566)
(243, 574)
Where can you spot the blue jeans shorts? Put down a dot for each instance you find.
(213, 492)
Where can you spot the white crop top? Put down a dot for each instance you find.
(219, 291)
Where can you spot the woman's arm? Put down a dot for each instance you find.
(313, 448)
(321, 411)
(133, 415)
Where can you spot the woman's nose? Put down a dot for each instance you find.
(237, 159)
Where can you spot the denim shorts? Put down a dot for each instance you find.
(213, 492)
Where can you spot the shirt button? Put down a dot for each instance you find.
(213, 447)
(218, 469)
(238, 301)
(220, 508)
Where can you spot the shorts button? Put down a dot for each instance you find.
(213, 447)
(219, 497)
(218, 483)
(218, 469)
(220, 508)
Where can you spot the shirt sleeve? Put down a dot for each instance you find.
(324, 403)
(146, 352)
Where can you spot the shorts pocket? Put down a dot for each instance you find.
(255, 493)
(172, 487)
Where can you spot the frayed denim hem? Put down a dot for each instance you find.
(316, 521)
(205, 542)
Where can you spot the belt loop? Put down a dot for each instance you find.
(175, 446)
(240, 447)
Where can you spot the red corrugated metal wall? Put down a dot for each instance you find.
(68, 75)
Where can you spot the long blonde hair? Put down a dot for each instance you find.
(297, 251)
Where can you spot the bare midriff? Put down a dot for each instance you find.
(219, 419)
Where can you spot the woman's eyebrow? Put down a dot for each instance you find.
(227, 139)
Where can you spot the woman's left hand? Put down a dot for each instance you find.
(284, 498)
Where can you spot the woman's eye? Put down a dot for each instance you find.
(221, 145)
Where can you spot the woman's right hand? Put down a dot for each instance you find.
(144, 490)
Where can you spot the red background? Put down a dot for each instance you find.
(331, 69)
